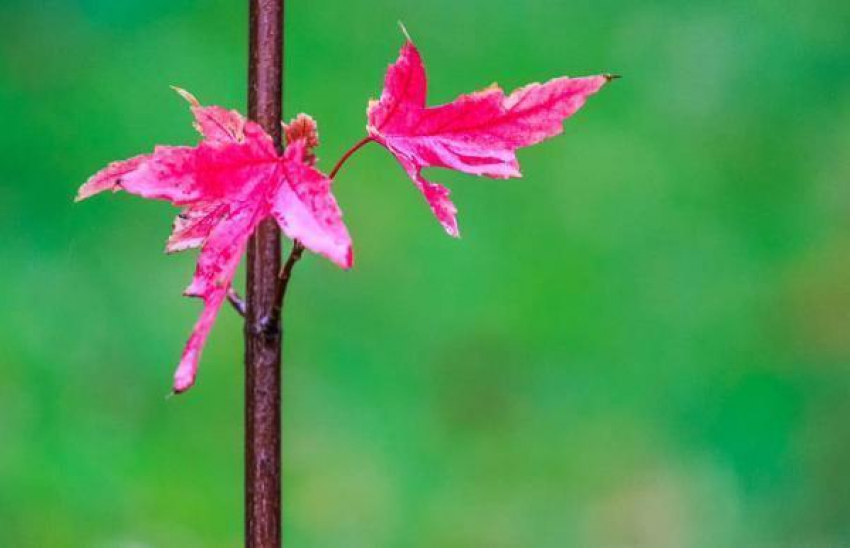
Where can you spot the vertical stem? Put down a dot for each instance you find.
(262, 336)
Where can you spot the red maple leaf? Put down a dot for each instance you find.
(476, 133)
(227, 185)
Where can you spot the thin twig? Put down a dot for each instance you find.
(237, 301)
(348, 154)
(283, 280)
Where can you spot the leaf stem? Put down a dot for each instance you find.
(348, 155)
(283, 278)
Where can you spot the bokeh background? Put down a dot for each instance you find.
(644, 342)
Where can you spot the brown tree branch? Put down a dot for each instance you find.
(263, 338)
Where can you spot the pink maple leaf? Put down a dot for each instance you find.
(477, 133)
(227, 185)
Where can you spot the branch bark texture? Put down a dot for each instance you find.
(262, 335)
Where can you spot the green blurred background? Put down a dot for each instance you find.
(644, 342)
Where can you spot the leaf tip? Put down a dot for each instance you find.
(451, 228)
(86, 191)
(404, 31)
(186, 95)
(172, 247)
(182, 383)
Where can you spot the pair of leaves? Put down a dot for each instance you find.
(235, 178)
